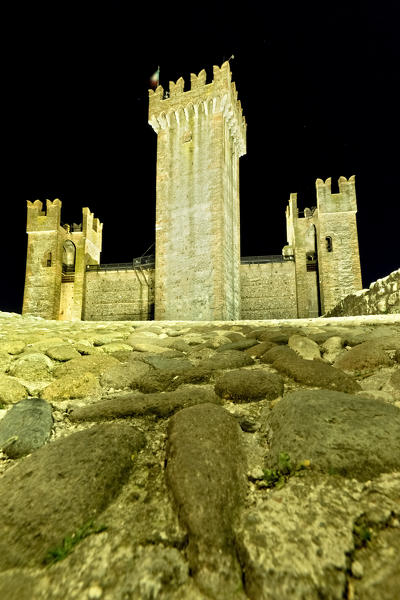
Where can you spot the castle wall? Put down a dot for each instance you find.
(119, 295)
(67, 301)
(382, 297)
(268, 291)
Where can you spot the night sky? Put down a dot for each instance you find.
(318, 86)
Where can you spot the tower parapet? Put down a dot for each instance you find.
(219, 96)
(344, 201)
(92, 230)
(43, 220)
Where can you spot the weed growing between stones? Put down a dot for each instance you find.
(363, 374)
(70, 541)
(278, 477)
(362, 533)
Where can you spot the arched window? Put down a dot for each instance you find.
(69, 253)
(328, 242)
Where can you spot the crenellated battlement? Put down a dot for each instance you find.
(198, 81)
(291, 209)
(344, 201)
(43, 220)
(180, 106)
(90, 222)
(50, 220)
(92, 231)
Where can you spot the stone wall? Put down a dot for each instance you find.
(268, 291)
(67, 302)
(382, 297)
(119, 295)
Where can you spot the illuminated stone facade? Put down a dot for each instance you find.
(198, 273)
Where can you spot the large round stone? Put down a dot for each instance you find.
(61, 487)
(206, 474)
(315, 373)
(94, 363)
(69, 387)
(243, 385)
(340, 433)
(26, 427)
(228, 359)
(32, 367)
(368, 355)
(306, 348)
(11, 390)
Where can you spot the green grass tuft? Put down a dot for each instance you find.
(276, 478)
(362, 534)
(70, 541)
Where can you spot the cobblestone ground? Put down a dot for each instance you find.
(197, 460)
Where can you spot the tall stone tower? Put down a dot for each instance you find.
(201, 135)
(337, 239)
(56, 261)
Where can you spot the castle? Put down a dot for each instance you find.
(197, 272)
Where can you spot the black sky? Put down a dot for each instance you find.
(318, 86)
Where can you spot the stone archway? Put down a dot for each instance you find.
(69, 255)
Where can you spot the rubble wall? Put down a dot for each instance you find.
(382, 297)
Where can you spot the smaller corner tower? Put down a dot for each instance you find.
(337, 241)
(56, 261)
(201, 135)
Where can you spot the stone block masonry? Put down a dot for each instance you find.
(268, 290)
(119, 295)
(337, 237)
(201, 135)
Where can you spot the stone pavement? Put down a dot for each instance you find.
(198, 460)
